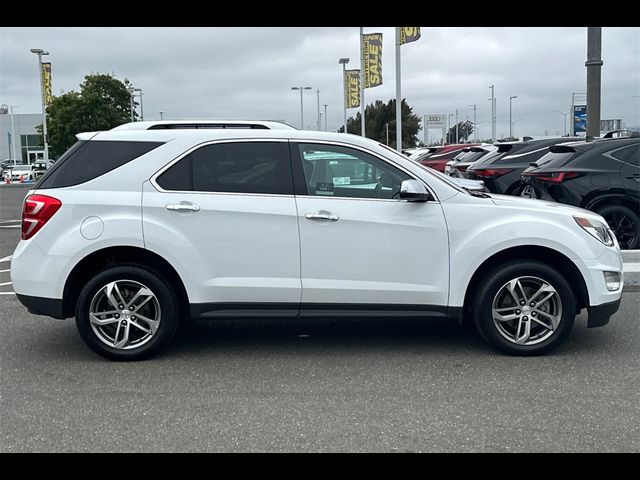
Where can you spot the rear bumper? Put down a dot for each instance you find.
(599, 314)
(51, 307)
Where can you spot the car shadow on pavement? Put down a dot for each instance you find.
(323, 334)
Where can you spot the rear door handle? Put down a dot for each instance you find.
(635, 177)
(322, 215)
(183, 207)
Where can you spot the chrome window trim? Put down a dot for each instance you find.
(374, 154)
(154, 177)
(159, 172)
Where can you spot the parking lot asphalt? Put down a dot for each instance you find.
(315, 386)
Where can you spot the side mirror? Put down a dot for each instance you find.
(413, 191)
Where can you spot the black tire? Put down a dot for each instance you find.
(493, 283)
(169, 312)
(625, 223)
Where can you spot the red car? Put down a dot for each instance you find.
(438, 156)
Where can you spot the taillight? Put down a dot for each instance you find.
(491, 172)
(553, 177)
(36, 211)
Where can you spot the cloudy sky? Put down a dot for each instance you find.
(247, 72)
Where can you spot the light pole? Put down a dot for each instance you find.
(139, 90)
(301, 107)
(457, 136)
(475, 134)
(448, 125)
(564, 123)
(130, 90)
(13, 138)
(161, 115)
(510, 122)
(387, 127)
(594, 67)
(493, 113)
(343, 62)
(318, 92)
(325, 116)
(40, 52)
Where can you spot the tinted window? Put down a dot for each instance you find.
(623, 153)
(344, 172)
(178, 177)
(87, 160)
(251, 167)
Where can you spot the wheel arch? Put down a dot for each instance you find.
(111, 256)
(547, 255)
(599, 201)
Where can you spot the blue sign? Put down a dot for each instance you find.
(579, 118)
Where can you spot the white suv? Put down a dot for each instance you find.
(132, 231)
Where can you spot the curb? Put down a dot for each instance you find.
(631, 267)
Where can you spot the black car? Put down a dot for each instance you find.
(601, 175)
(501, 173)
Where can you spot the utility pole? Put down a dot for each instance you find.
(594, 70)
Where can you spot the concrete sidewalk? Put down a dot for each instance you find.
(631, 267)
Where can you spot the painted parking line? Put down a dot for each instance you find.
(7, 293)
(6, 259)
(5, 283)
(2, 271)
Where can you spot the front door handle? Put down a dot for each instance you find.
(183, 207)
(635, 177)
(322, 215)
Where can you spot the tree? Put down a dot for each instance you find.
(378, 115)
(465, 129)
(103, 102)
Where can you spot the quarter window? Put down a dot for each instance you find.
(337, 171)
(249, 167)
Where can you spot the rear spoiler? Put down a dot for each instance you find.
(86, 135)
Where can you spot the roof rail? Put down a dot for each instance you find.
(626, 132)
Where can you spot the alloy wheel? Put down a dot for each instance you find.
(124, 314)
(527, 310)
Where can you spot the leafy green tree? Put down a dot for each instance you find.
(378, 115)
(465, 129)
(103, 102)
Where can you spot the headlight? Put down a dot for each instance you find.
(596, 229)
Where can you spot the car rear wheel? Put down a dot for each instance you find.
(524, 308)
(625, 223)
(127, 313)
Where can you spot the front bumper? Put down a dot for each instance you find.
(599, 314)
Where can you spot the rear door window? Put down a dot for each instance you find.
(239, 167)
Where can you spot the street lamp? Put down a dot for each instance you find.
(40, 52)
(475, 133)
(325, 116)
(448, 125)
(139, 90)
(565, 120)
(510, 123)
(301, 107)
(343, 62)
(493, 113)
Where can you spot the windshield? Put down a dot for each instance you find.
(440, 176)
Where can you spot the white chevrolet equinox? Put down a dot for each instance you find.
(133, 231)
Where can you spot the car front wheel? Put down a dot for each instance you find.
(127, 313)
(524, 308)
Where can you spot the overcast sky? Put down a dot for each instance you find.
(248, 72)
